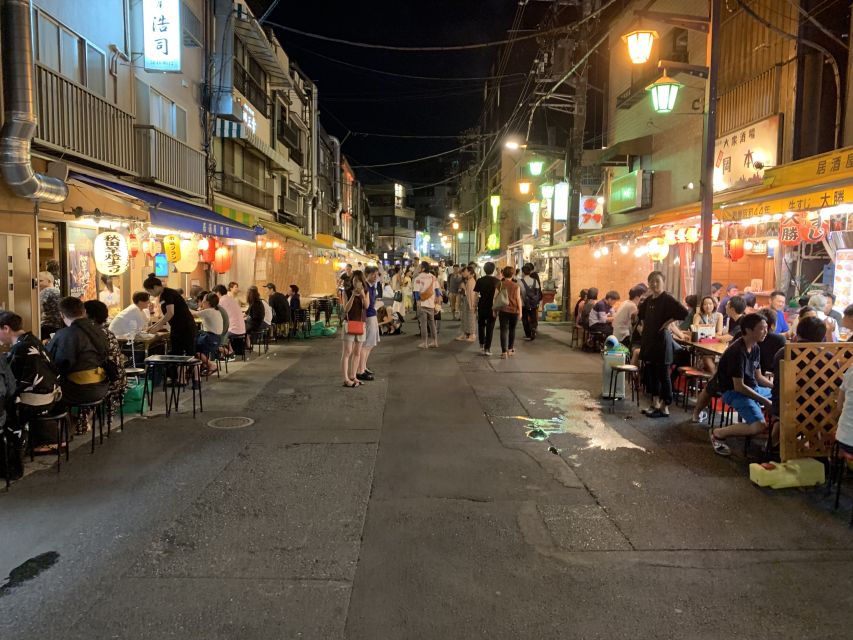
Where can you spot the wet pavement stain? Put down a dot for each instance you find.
(28, 570)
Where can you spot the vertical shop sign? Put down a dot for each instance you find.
(591, 213)
(162, 35)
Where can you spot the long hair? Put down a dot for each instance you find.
(252, 296)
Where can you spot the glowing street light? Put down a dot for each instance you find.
(533, 205)
(451, 215)
(664, 91)
(524, 187)
(535, 167)
(640, 43)
(547, 190)
(455, 226)
(512, 145)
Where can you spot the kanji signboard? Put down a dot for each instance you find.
(161, 28)
(789, 232)
(737, 153)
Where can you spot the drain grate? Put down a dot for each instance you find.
(231, 422)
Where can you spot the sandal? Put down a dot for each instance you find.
(353, 385)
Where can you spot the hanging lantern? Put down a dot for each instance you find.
(492, 242)
(535, 167)
(208, 254)
(524, 187)
(222, 260)
(664, 91)
(736, 249)
(278, 253)
(189, 256)
(691, 235)
(715, 232)
(172, 247)
(749, 245)
(133, 244)
(203, 244)
(640, 43)
(147, 248)
(260, 242)
(789, 232)
(681, 235)
(669, 237)
(658, 249)
(268, 244)
(111, 253)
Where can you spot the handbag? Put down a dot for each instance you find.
(355, 327)
(501, 300)
(398, 296)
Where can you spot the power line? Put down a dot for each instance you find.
(437, 95)
(459, 47)
(421, 159)
(401, 75)
(455, 136)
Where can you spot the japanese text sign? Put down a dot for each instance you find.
(161, 28)
(737, 153)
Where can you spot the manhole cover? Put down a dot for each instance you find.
(231, 423)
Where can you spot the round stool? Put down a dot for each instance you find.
(62, 421)
(631, 372)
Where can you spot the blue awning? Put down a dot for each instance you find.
(176, 214)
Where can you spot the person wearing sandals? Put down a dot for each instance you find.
(509, 314)
(355, 311)
(657, 312)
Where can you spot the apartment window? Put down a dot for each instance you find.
(65, 52)
(164, 114)
(252, 167)
(250, 79)
(228, 156)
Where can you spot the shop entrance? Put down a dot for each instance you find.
(17, 280)
(50, 254)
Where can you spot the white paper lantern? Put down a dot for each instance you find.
(189, 256)
(112, 256)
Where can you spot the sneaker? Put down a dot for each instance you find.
(366, 370)
(487, 353)
(702, 419)
(720, 447)
(231, 358)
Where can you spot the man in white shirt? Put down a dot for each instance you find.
(426, 284)
(132, 319)
(627, 311)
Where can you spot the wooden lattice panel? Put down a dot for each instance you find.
(811, 375)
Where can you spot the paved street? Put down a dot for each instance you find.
(417, 507)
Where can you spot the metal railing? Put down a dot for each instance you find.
(245, 191)
(76, 121)
(168, 161)
(254, 92)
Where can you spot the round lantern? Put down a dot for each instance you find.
(658, 249)
(222, 260)
(189, 256)
(669, 237)
(172, 247)
(133, 245)
(147, 247)
(736, 249)
(208, 251)
(692, 235)
(681, 235)
(111, 253)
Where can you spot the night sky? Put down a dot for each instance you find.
(362, 101)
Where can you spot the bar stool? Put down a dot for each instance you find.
(577, 336)
(97, 408)
(238, 345)
(261, 338)
(693, 378)
(631, 372)
(63, 421)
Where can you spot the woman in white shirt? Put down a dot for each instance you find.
(207, 342)
(132, 319)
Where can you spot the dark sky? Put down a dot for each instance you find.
(351, 99)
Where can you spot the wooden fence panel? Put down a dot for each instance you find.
(811, 375)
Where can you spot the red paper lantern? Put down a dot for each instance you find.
(278, 253)
(736, 249)
(222, 260)
(789, 232)
(147, 249)
(208, 252)
(132, 244)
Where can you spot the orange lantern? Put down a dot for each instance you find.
(132, 244)
(692, 235)
(208, 252)
(172, 247)
(736, 249)
(222, 260)
(278, 253)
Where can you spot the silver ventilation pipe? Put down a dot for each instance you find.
(19, 124)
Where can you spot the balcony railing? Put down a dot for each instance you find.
(246, 191)
(76, 121)
(169, 162)
(254, 92)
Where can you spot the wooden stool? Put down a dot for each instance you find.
(631, 372)
(694, 376)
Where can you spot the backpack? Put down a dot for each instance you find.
(532, 297)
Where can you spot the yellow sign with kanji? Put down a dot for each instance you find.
(773, 206)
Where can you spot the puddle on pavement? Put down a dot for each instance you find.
(580, 415)
(28, 570)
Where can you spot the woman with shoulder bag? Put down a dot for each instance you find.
(355, 310)
(507, 308)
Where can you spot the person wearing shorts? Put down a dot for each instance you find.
(371, 324)
(743, 385)
(354, 311)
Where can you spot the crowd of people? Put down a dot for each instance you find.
(655, 328)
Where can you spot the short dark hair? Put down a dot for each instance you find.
(508, 272)
(654, 274)
(220, 289)
(716, 286)
(368, 270)
(233, 284)
(96, 311)
(424, 266)
(140, 296)
(72, 307)
(738, 304)
(830, 295)
(152, 281)
(848, 310)
(637, 291)
(613, 295)
(811, 330)
(294, 288)
(212, 300)
(749, 298)
(527, 269)
(691, 301)
(489, 268)
(773, 294)
(731, 286)
(750, 321)
(584, 293)
(11, 320)
(201, 295)
(770, 316)
(592, 293)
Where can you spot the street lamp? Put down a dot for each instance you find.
(664, 91)
(524, 187)
(451, 215)
(547, 190)
(455, 226)
(640, 43)
(535, 167)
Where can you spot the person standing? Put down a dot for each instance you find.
(354, 311)
(176, 313)
(486, 287)
(51, 319)
(454, 282)
(425, 285)
(468, 306)
(371, 325)
(657, 312)
(531, 296)
(509, 313)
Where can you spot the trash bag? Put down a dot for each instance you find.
(330, 331)
(133, 395)
(317, 328)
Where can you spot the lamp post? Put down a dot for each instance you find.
(664, 92)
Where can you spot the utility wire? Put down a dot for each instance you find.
(401, 75)
(817, 24)
(422, 137)
(421, 159)
(420, 96)
(459, 47)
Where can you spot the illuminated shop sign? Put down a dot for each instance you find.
(162, 35)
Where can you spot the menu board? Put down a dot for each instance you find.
(843, 284)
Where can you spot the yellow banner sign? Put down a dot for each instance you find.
(772, 206)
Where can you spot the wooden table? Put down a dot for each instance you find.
(145, 345)
(706, 348)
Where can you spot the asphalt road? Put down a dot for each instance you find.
(417, 507)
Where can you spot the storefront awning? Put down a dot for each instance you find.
(252, 220)
(172, 213)
(256, 41)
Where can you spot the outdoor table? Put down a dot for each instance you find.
(705, 348)
(145, 344)
(173, 396)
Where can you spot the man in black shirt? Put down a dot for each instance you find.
(735, 308)
(657, 312)
(279, 305)
(486, 287)
(769, 347)
(743, 385)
